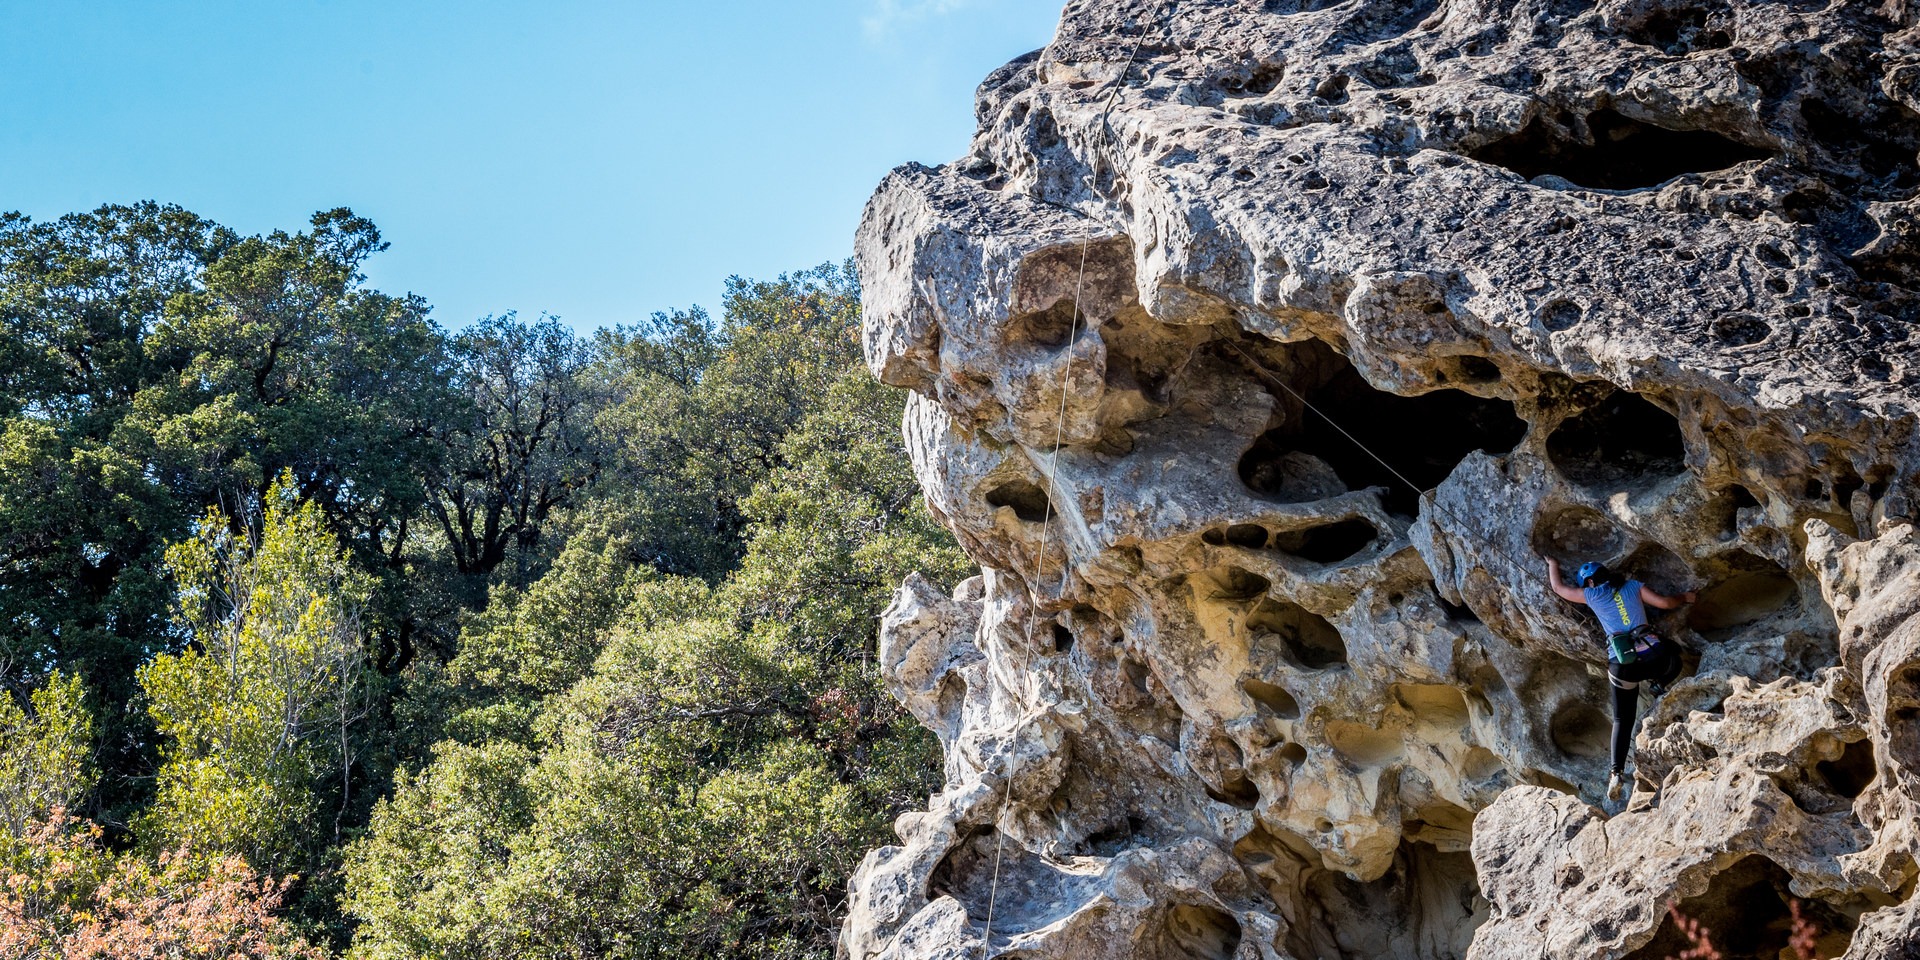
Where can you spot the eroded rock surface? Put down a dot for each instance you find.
(1631, 281)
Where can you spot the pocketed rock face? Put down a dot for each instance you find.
(1628, 281)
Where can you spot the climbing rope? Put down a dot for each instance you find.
(1421, 492)
(1053, 488)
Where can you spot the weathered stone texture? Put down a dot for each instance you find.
(1632, 281)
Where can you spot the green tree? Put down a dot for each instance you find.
(82, 527)
(519, 448)
(700, 408)
(705, 787)
(44, 753)
(259, 713)
(287, 365)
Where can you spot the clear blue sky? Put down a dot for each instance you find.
(599, 161)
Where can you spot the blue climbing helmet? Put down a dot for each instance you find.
(1590, 571)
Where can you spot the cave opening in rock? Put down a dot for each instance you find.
(1850, 772)
(1745, 589)
(1305, 639)
(1196, 932)
(1236, 791)
(1426, 907)
(1576, 534)
(1272, 696)
(1116, 837)
(1616, 153)
(1229, 584)
(1029, 502)
(1421, 437)
(1682, 28)
(1623, 440)
(1724, 508)
(1062, 638)
(1581, 731)
(1364, 746)
(1745, 911)
(1659, 568)
(1250, 535)
(1330, 542)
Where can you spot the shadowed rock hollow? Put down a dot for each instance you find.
(1630, 281)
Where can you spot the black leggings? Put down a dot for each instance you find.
(1660, 666)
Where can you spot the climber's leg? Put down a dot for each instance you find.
(1626, 702)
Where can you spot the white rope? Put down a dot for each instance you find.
(1053, 490)
(1417, 489)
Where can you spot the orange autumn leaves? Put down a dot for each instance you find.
(63, 895)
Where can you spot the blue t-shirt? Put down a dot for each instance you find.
(1618, 612)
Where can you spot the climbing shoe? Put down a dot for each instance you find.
(1616, 787)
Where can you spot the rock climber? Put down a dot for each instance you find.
(1635, 654)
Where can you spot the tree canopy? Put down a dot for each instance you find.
(375, 639)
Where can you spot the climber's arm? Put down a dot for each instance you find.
(1664, 602)
(1560, 589)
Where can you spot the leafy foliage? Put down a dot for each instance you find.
(44, 753)
(348, 633)
(264, 704)
(63, 895)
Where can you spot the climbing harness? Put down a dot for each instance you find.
(1046, 518)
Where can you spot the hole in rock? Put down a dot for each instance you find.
(1577, 534)
(1445, 825)
(1561, 315)
(1740, 329)
(1195, 932)
(1845, 486)
(1236, 791)
(1815, 490)
(1258, 80)
(1903, 717)
(1230, 584)
(1305, 637)
(1294, 753)
(1062, 638)
(1471, 369)
(1752, 589)
(1724, 508)
(1851, 772)
(1287, 476)
(1745, 912)
(1619, 441)
(1249, 535)
(1659, 568)
(1426, 907)
(1681, 30)
(968, 874)
(1481, 764)
(1579, 729)
(1434, 706)
(1327, 543)
(1423, 437)
(1029, 502)
(1273, 697)
(1116, 837)
(1624, 153)
(1364, 745)
(1050, 328)
(1457, 612)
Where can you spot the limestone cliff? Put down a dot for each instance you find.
(1632, 280)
